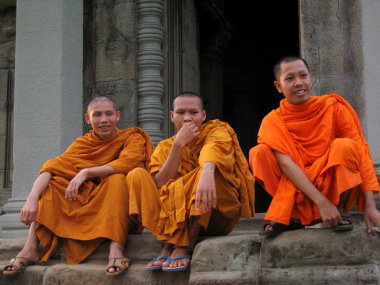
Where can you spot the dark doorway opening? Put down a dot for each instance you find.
(259, 33)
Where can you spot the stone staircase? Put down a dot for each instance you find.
(306, 256)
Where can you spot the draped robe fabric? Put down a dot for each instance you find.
(101, 210)
(324, 138)
(216, 143)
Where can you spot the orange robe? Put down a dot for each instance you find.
(324, 138)
(101, 210)
(216, 143)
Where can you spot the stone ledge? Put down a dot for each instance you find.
(305, 256)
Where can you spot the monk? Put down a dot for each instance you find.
(312, 157)
(203, 179)
(81, 198)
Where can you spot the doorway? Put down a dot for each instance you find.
(237, 53)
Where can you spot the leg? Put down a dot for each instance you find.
(28, 254)
(180, 257)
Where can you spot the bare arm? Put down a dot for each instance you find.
(86, 173)
(329, 212)
(28, 212)
(169, 169)
(206, 189)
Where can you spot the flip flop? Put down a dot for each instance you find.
(156, 267)
(179, 268)
(19, 264)
(278, 228)
(119, 263)
(344, 227)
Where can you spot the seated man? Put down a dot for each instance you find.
(81, 197)
(312, 157)
(204, 182)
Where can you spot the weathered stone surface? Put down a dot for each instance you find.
(306, 256)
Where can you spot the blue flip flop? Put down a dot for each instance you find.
(156, 267)
(177, 269)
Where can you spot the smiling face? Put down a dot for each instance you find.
(294, 81)
(103, 117)
(187, 109)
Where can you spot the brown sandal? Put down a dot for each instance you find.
(17, 265)
(120, 264)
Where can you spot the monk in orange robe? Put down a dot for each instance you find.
(204, 182)
(312, 157)
(81, 197)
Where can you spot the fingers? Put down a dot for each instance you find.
(206, 199)
(369, 225)
(71, 191)
(27, 217)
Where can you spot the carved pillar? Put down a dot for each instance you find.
(150, 64)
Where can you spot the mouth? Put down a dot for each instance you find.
(104, 128)
(300, 92)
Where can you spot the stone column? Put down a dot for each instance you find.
(48, 93)
(371, 70)
(150, 64)
(341, 40)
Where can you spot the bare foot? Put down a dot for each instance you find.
(178, 252)
(161, 258)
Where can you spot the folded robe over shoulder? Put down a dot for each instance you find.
(306, 133)
(101, 208)
(217, 143)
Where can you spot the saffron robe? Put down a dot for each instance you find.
(216, 143)
(324, 138)
(101, 210)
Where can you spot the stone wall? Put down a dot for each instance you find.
(110, 55)
(7, 64)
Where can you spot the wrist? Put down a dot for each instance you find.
(32, 197)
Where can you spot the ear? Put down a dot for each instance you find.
(171, 116)
(87, 119)
(203, 115)
(278, 86)
(117, 116)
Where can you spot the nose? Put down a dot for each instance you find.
(103, 118)
(187, 117)
(298, 81)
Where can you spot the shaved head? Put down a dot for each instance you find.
(188, 94)
(100, 99)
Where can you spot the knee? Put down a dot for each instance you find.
(343, 147)
(260, 154)
(117, 177)
(137, 174)
(346, 151)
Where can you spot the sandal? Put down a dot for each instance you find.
(17, 265)
(162, 258)
(344, 227)
(120, 264)
(179, 268)
(278, 228)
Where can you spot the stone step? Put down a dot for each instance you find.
(304, 256)
(91, 274)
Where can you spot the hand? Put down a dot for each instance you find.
(206, 191)
(187, 134)
(371, 215)
(29, 211)
(72, 189)
(330, 214)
